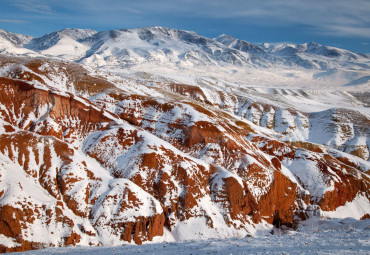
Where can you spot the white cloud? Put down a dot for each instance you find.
(16, 21)
(33, 6)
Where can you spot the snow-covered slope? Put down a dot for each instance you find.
(142, 141)
(12, 43)
(16, 40)
(65, 43)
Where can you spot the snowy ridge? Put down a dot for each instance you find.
(172, 50)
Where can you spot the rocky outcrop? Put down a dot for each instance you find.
(143, 229)
(340, 179)
(32, 109)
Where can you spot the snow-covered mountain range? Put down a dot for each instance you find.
(171, 50)
(156, 134)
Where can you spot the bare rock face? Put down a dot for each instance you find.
(281, 198)
(121, 167)
(340, 181)
(228, 192)
(350, 184)
(47, 112)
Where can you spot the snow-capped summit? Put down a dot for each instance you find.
(9, 40)
(241, 45)
(49, 40)
(164, 47)
(332, 52)
(173, 50)
(312, 49)
(63, 43)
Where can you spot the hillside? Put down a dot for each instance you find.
(156, 134)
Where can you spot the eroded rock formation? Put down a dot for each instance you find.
(121, 167)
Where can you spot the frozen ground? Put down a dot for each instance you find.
(341, 236)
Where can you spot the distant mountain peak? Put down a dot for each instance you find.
(174, 48)
(17, 40)
(223, 36)
(313, 45)
(77, 33)
(238, 44)
(51, 39)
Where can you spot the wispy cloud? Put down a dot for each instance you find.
(346, 31)
(323, 17)
(332, 17)
(130, 10)
(15, 21)
(33, 6)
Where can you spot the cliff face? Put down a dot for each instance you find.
(109, 166)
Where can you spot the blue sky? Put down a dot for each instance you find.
(340, 23)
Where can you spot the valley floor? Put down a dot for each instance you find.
(346, 236)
